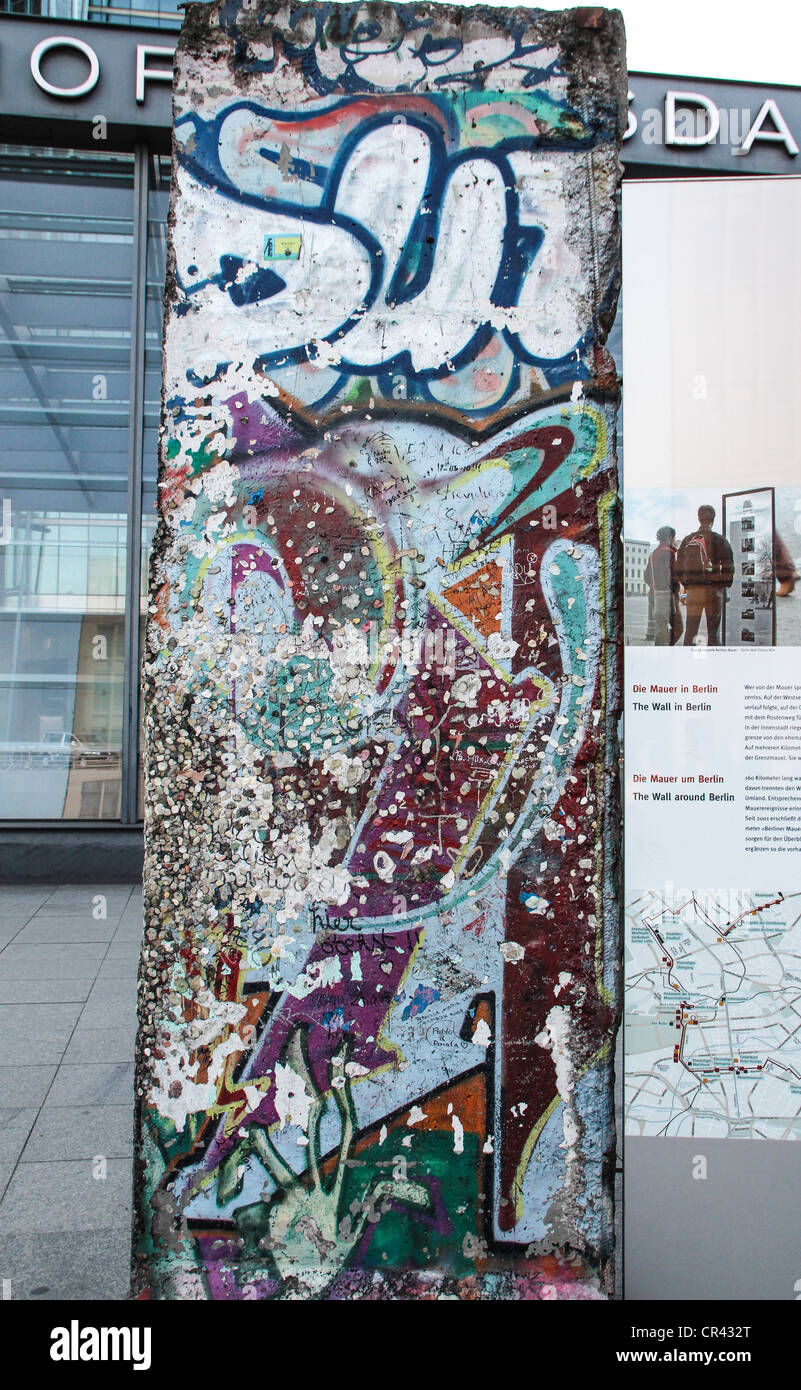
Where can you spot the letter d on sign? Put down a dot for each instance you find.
(674, 99)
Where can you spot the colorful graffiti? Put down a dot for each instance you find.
(378, 991)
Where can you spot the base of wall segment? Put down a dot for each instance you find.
(71, 856)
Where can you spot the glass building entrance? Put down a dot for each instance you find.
(77, 477)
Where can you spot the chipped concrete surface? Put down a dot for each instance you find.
(378, 990)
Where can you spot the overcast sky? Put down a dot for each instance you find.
(740, 39)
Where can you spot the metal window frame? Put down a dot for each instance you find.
(136, 431)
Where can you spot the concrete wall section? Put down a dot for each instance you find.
(379, 981)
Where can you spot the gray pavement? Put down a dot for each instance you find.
(67, 1032)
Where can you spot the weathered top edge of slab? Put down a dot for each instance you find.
(590, 39)
(200, 12)
(202, 19)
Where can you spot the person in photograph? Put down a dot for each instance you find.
(663, 589)
(705, 566)
(786, 572)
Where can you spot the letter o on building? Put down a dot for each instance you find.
(46, 46)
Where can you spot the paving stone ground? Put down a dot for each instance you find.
(67, 1033)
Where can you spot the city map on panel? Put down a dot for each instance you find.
(713, 1014)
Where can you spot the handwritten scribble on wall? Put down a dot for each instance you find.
(377, 993)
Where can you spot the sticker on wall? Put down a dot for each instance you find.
(281, 248)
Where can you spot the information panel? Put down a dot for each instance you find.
(712, 541)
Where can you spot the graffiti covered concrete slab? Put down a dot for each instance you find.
(378, 989)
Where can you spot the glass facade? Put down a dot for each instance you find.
(75, 466)
(163, 14)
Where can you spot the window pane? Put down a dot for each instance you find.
(161, 14)
(65, 310)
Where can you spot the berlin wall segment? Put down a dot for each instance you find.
(378, 989)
